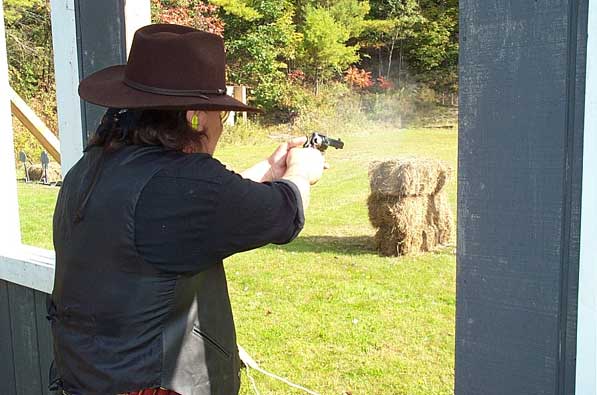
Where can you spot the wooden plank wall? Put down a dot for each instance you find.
(25, 341)
(522, 80)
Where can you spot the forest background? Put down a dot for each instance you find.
(308, 63)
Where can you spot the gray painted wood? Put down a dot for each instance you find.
(7, 373)
(24, 330)
(44, 340)
(520, 159)
(25, 341)
(101, 39)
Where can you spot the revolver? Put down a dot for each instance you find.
(321, 142)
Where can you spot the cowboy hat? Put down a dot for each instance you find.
(169, 67)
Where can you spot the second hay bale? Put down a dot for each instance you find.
(410, 224)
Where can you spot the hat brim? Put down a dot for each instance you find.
(107, 89)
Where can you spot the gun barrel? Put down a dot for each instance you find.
(336, 143)
(321, 142)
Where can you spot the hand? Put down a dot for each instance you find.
(305, 162)
(277, 160)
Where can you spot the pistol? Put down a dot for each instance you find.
(321, 142)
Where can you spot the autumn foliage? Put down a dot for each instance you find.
(384, 84)
(198, 14)
(358, 78)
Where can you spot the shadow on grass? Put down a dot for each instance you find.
(349, 245)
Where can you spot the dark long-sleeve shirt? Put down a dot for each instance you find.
(188, 218)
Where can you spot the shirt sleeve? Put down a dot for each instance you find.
(252, 214)
(190, 217)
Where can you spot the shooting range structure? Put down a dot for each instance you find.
(526, 301)
(34, 124)
(408, 205)
(50, 175)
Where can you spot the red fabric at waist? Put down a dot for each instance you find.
(153, 391)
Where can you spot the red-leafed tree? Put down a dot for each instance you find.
(384, 84)
(358, 78)
(195, 13)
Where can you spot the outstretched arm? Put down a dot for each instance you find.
(275, 166)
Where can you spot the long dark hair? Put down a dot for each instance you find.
(167, 128)
(120, 127)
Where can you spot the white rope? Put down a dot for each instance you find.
(252, 381)
(251, 364)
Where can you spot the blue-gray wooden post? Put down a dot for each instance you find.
(87, 36)
(522, 91)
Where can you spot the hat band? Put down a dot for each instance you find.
(174, 92)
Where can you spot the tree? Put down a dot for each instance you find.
(259, 50)
(29, 46)
(195, 13)
(31, 66)
(398, 23)
(434, 52)
(423, 34)
(326, 30)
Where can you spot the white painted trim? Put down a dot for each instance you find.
(137, 13)
(66, 65)
(10, 231)
(28, 266)
(586, 346)
(232, 114)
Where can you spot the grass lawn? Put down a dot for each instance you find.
(325, 311)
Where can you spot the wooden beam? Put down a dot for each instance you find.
(36, 126)
(137, 13)
(66, 65)
(586, 342)
(240, 94)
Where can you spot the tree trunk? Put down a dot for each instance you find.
(390, 59)
(400, 63)
(379, 69)
(394, 39)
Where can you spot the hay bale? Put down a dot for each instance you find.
(442, 218)
(390, 241)
(402, 223)
(408, 177)
(381, 209)
(54, 172)
(410, 222)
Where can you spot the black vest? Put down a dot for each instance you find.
(118, 323)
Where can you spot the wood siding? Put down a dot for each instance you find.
(25, 341)
(522, 81)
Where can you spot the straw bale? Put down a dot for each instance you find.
(54, 172)
(410, 224)
(443, 219)
(381, 208)
(408, 177)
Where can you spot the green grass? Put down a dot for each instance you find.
(325, 311)
(36, 207)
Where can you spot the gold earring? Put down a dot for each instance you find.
(195, 121)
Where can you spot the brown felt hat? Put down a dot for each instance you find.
(169, 67)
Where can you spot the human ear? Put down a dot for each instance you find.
(197, 119)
